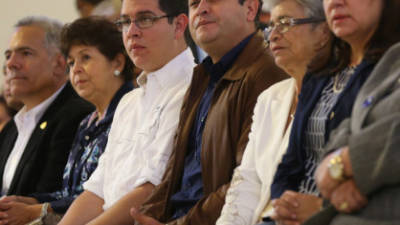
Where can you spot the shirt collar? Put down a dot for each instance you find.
(218, 69)
(36, 112)
(125, 88)
(170, 73)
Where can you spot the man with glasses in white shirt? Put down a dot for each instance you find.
(145, 122)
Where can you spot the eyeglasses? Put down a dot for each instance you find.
(142, 22)
(284, 24)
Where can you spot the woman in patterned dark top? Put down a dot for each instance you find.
(325, 101)
(100, 72)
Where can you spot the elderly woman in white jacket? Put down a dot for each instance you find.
(298, 35)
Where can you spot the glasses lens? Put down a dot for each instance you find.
(145, 22)
(123, 24)
(270, 27)
(284, 25)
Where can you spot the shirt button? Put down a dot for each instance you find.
(332, 115)
(86, 138)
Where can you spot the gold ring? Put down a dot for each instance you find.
(343, 206)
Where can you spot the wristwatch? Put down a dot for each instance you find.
(336, 166)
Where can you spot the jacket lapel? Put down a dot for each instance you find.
(247, 57)
(9, 139)
(38, 134)
(31, 147)
(373, 91)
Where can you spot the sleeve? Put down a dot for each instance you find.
(155, 206)
(287, 174)
(95, 184)
(45, 197)
(57, 202)
(61, 206)
(374, 154)
(244, 193)
(339, 137)
(158, 150)
(250, 188)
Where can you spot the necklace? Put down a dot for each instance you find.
(293, 107)
(341, 79)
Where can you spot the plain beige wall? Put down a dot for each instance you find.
(13, 10)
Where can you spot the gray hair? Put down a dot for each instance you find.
(51, 27)
(312, 8)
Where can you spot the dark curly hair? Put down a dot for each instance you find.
(11, 112)
(257, 19)
(92, 2)
(100, 33)
(176, 7)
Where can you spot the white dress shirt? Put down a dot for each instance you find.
(26, 122)
(141, 136)
(268, 141)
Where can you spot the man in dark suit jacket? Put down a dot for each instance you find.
(34, 146)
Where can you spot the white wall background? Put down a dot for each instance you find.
(13, 10)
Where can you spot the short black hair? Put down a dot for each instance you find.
(257, 19)
(100, 33)
(11, 112)
(175, 8)
(92, 2)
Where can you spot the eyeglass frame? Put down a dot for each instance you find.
(292, 22)
(127, 21)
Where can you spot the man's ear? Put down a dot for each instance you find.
(181, 23)
(252, 9)
(60, 64)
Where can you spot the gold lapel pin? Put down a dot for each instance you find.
(43, 125)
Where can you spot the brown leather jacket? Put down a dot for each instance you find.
(225, 133)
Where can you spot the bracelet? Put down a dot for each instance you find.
(43, 213)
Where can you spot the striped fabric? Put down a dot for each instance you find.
(315, 131)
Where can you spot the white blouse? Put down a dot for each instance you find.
(268, 140)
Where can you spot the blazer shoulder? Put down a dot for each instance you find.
(68, 105)
(9, 132)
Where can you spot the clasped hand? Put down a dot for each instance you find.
(343, 194)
